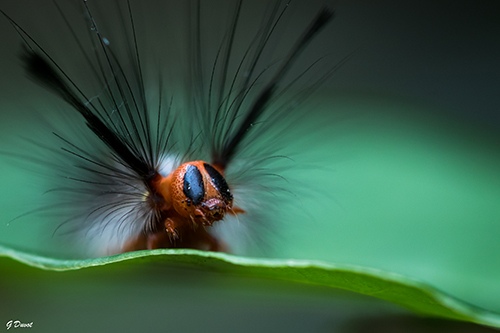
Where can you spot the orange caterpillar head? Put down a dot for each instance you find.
(195, 192)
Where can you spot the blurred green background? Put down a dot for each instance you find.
(405, 155)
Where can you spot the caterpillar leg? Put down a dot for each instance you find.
(198, 239)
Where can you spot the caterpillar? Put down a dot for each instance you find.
(155, 164)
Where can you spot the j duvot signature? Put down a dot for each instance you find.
(18, 324)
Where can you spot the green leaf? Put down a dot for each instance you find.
(402, 290)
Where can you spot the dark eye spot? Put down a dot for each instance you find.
(219, 182)
(193, 184)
